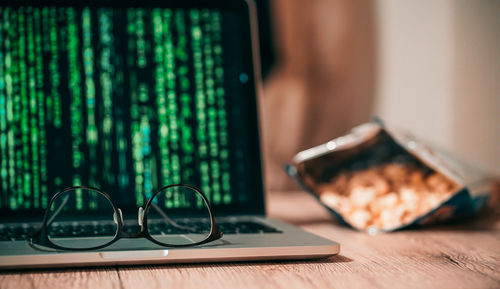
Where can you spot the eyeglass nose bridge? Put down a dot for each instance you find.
(115, 218)
(140, 216)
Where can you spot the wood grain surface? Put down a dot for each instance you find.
(458, 255)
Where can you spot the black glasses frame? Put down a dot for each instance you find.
(41, 236)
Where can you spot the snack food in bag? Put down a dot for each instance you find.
(379, 180)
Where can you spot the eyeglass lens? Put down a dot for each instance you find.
(179, 216)
(70, 216)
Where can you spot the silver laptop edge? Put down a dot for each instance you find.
(292, 243)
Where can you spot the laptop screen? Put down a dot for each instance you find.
(127, 99)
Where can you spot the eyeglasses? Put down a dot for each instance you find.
(162, 221)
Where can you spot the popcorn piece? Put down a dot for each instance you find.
(389, 219)
(330, 198)
(339, 203)
(438, 183)
(395, 172)
(385, 202)
(381, 186)
(345, 206)
(417, 180)
(360, 218)
(362, 196)
(409, 198)
(407, 218)
(430, 201)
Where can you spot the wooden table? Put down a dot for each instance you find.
(465, 255)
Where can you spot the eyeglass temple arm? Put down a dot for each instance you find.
(167, 218)
(58, 211)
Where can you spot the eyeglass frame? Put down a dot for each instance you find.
(41, 237)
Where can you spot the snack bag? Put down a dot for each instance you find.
(378, 180)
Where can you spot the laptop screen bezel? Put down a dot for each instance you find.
(255, 204)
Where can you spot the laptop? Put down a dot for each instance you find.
(129, 96)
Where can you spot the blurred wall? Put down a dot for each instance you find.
(323, 83)
(476, 114)
(439, 74)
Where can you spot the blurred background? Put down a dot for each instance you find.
(430, 67)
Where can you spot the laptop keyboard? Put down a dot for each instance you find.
(11, 233)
